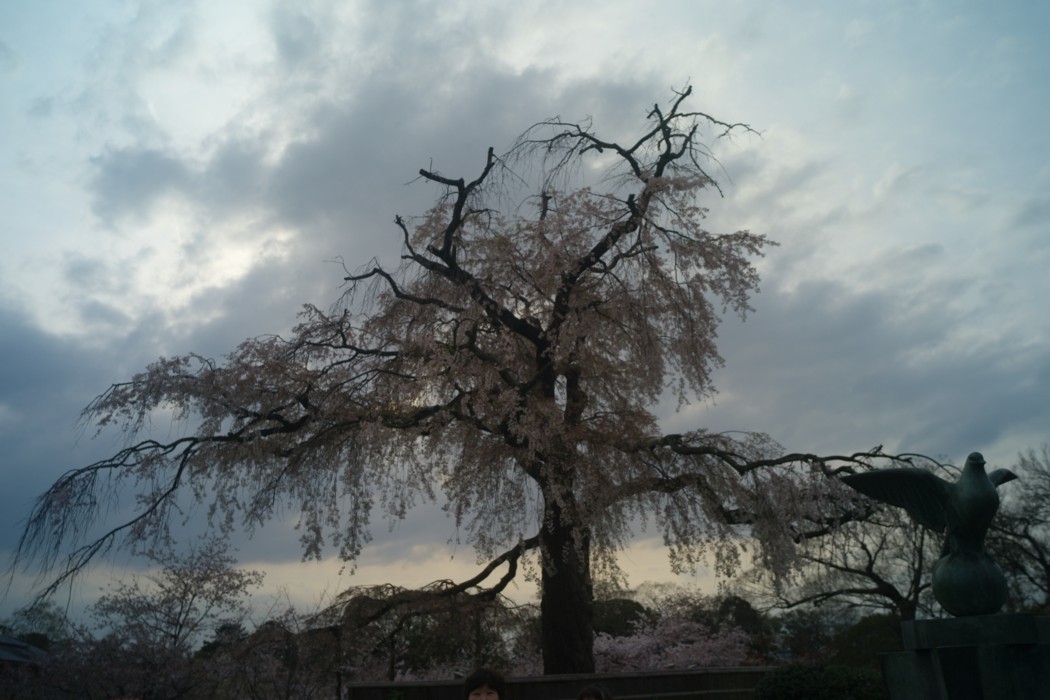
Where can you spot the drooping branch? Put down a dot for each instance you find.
(67, 511)
(713, 467)
(396, 289)
(442, 590)
(69, 508)
(666, 137)
(449, 268)
(463, 193)
(876, 589)
(726, 452)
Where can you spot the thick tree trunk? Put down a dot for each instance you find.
(565, 603)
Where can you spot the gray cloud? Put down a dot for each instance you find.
(234, 177)
(41, 107)
(1034, 212)
(44, 382)
(296, 35)
(8, 59)
(128, 180)
(823, 368)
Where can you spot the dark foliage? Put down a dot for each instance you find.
(618, 617)
(816, 682)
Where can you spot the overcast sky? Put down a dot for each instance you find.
(177, 177)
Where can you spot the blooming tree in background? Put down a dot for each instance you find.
(146, 630)
(510, 364)
(190, 596)
(670, 643)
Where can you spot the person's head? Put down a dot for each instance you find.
(594, 692)
(484, 684)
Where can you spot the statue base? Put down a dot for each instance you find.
(983, 657)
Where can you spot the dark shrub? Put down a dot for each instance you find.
(861, 643)
(817, 682)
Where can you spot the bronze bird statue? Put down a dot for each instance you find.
(966, 581)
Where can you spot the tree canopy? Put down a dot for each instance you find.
(512, 363)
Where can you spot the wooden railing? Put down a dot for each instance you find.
(699, 684)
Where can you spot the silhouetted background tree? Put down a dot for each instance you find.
(1020, 535)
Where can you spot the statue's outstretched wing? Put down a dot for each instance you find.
(924, 495)
(1001, 476)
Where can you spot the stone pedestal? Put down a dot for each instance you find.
(984, 657)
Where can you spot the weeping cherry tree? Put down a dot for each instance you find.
(510, 366)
